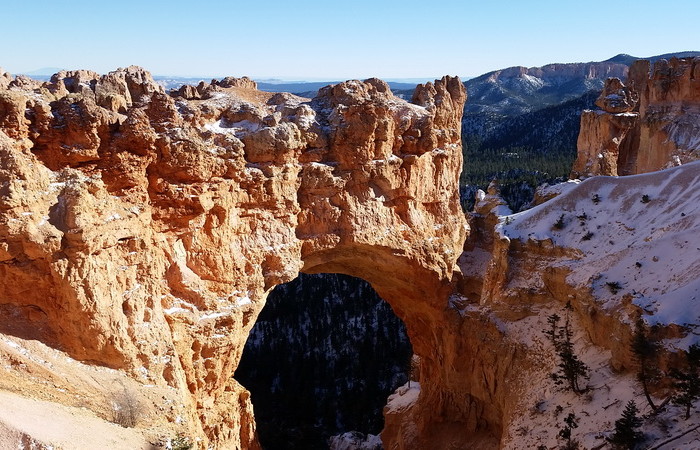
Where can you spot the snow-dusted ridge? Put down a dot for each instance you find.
(637, 235)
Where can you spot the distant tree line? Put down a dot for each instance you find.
(522, 152)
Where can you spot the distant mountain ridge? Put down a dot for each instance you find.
(629, 59)
(517, 90)
(43, 72)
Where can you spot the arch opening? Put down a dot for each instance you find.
(321, 360)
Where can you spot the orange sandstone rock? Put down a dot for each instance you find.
(661, 131)
(142, 232)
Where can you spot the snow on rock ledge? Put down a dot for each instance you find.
(352, 440)
(635, 239)
(404, 397)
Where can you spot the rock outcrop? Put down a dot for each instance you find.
(616, 98)
(206, 90)
(140, 233)
(660, 131)
(5, 78)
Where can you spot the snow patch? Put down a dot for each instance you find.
(353, 440)
(214, 315)
(242, 301)
(237, 129)
(403, 398)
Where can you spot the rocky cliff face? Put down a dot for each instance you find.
(141, 232)
(646, 125)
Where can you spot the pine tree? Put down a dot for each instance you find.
(570, 422)
(553, 331)
(687, 381)
(646, 352)
(626, 435)
(571, 368)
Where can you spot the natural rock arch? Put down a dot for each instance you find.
(142, 231)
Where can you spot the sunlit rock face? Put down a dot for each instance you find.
(647, 124)
(141, 231)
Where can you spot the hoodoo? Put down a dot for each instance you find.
(649, 124)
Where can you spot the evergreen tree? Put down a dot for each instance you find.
(553, 331)
(646, 352)
(571, 368)
(687, 381)
(626, 435)
(570, 422)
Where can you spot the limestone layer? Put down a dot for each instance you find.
(649, 124)
(141, 231)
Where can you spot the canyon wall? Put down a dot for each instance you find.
(648, 124)
(141, 232)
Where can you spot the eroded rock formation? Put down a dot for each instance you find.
(141, 232)
(660, 131)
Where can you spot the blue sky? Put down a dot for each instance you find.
(313, 39)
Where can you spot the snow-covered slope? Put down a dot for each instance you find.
(616, 248)
(541, 411)
(637, 237)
